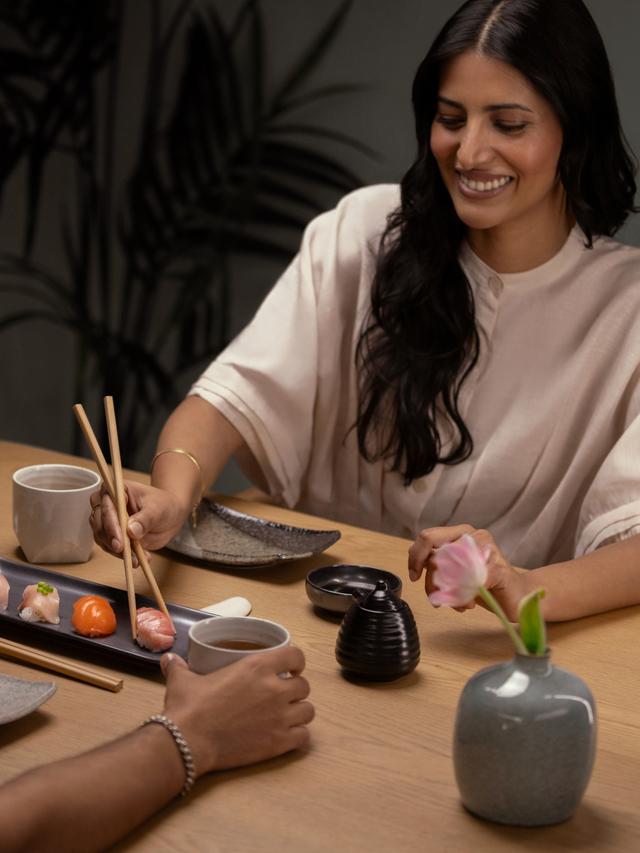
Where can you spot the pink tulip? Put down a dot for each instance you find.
(461, 572)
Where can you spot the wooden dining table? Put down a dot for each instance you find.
(378, 776)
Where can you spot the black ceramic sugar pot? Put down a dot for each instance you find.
(378, 638)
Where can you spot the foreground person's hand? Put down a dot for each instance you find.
(155, 516)
(242, 713)
(506, 583)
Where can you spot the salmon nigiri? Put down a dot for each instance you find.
(155, 630)
(40, 603)
(93, 616)
(4, 592)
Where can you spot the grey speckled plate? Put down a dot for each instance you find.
(19, 697)
(231, 538)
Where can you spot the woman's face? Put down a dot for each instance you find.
(497, 143)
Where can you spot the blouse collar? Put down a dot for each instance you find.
(549, 271)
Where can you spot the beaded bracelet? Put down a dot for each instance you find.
(203, 486)
(185, 753)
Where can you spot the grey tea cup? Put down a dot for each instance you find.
(51, 512)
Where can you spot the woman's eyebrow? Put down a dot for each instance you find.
(493, 107)
(450, 103)
(488, 109)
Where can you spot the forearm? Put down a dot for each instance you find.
(198, 427)
(603, 580)
(88, 802)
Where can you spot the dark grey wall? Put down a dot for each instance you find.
(380, 46)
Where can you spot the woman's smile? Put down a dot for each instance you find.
(482, 185)
(497, 143)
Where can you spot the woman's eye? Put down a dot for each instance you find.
(450, 122)
(510, 126)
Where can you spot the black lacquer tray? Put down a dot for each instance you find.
(70, 588)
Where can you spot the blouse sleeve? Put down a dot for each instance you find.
(611, 508)
(264, 382)
(288, 381)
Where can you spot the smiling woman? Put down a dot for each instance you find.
(497, 143)
(565, 147)
(461, 356)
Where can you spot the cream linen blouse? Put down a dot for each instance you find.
(553, 403)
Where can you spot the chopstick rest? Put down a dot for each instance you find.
(235, 606)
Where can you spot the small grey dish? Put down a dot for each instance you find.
(333, 587)
(230, 538)
(19, 697)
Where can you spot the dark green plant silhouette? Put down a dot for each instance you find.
(223, 169)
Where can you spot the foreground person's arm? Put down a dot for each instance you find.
(158, 511)
(236, 716)
(603, 580)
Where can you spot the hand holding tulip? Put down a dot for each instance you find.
(459, 573)
(507, 585)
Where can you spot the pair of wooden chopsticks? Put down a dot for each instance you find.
(16, 651)
(116, 491)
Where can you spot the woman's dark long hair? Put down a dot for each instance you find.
(421, 340)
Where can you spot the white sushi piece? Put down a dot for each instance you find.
(4, 592)
(40, 603)
(154, 631)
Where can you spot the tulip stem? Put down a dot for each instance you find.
(491, 602)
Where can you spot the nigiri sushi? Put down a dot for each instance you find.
(40, 603)
(155, 630)
(93, 616)
(4, 592)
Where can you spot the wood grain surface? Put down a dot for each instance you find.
(378, 776)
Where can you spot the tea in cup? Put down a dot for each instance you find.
(221, 640)
(51, 512)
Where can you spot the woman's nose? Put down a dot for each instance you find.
(474, 148)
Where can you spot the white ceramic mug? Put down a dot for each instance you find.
(51, 512)
(205, 656)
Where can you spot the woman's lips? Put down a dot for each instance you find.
(486, 187)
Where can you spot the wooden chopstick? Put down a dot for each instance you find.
(101, 462)
(16, 651)
(121, 506)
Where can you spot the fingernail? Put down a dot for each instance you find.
(135, 529)
(115, 544)
(412, 576)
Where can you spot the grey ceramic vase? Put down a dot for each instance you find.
(524, 742)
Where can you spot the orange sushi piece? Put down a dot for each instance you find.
(93, 616)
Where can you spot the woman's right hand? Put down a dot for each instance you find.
(155, 516)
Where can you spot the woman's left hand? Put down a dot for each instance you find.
(505, 583)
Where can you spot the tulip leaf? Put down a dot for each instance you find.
(532, 627)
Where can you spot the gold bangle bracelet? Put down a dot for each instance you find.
(190, 456)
